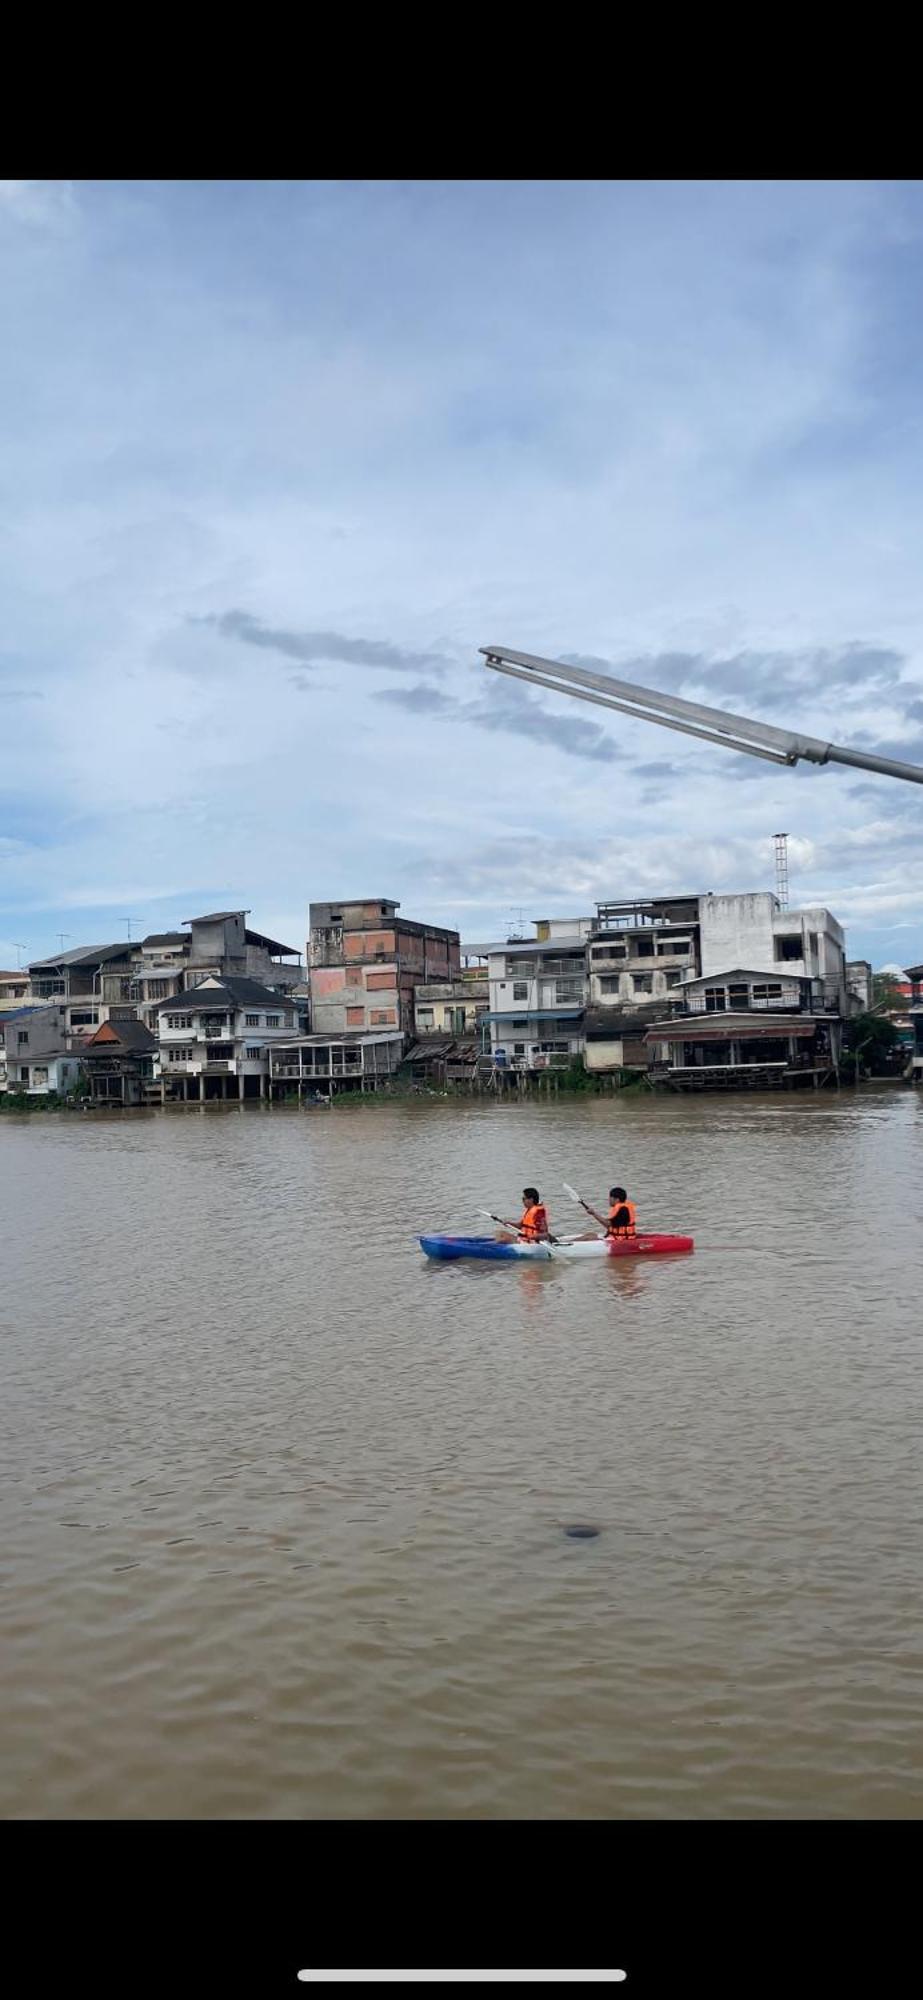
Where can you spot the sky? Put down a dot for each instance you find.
(280, 457)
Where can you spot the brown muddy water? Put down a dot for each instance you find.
(283, 1504)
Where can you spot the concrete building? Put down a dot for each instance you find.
(365, 963)
(86, 982)
(118, 1062)
(222, 943)
(159, 970)
(215, 1038)
(615, 1036)
(452, 1007)
(324, 1065)
(739, 1028)
(859, 991)
(538, 994)
(14, 990)
(642, 950)
(40, 1054)
(754, 930)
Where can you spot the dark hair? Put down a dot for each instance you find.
(617, 1194)
(531, 1194)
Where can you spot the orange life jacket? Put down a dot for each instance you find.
(624, 1228)
(534, 1224)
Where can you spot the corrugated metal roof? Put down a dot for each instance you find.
(86, 954)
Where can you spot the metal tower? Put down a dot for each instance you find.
(780, 843)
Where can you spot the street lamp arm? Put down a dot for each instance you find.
(714, 725)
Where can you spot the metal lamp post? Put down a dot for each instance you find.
(713, 725)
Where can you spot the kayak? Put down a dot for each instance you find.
(489, 1248)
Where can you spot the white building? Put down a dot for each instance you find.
(42, 1076)
(215, 1037)
(537, 993)
(754, 931)
(641, 951)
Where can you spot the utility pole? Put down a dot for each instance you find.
(780, 843)
(19, 949)
(691, 718)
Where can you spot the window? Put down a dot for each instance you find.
(425, 1017)
(812, 941)
(568, 989)
(788, 946)
(520, 989)
(179, 1055)
(355, 1017)
(767, 992)
(24, 1074)
(525, 966)
(83, 1020)
(519, 1048)
(643, 982)
(609, 982)
(253, 1055)
(383, 1017)
(22, 1040)
(616, 948)
(272, 1021)
(715, 1000)
(251, 1020)
(157, 989)
(179, 1021)
(738, 996)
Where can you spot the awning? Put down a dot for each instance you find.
(730, 1031)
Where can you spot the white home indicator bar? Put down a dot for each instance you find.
(464, 1978)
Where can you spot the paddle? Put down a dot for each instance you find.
(578, 1198)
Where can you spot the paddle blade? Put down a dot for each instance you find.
(573, 1194)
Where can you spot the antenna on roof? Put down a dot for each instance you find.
(129, 921)
(780, 843)
(61, 935)
(517, 925)
(19, 949)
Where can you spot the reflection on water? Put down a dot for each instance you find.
(283, 1529)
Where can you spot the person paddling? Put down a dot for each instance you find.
(622, 1217)
(532, 1226)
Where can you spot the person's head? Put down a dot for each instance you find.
(531, 1197)
(617, 1194)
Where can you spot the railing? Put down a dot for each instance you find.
(696, 1005)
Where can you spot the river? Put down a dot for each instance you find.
(284, 1505)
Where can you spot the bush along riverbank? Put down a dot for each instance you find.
(501, 1087)
(51, 1100)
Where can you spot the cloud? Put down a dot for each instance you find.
(687, 450)
(314, 648)
(521, 714)
(38, 204)
(418, 700)
(20, 694)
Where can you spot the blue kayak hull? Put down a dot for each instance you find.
(469, 1246)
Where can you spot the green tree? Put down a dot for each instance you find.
(886, 992)
(870, 1042)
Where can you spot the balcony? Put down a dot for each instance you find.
(697, 1004)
